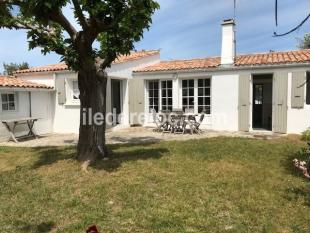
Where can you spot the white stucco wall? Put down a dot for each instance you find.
(40, 108)
(224, 98)
(298, 119)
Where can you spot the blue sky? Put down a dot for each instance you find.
(191, 29)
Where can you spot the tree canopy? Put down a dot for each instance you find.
(10, 68)
(115, 24)
(304, 43)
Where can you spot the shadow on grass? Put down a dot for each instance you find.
(118, 158)
(44, 227)
(50, 155)
(120, 153)
(298, 194)
(135, 140)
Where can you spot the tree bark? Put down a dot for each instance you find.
(92, 85)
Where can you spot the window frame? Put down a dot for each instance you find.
(153, 97)
(188, 96)
(204, 96)
(167, 97)
(8, 102)
(74, 89)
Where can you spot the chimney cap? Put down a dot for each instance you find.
(228, 22)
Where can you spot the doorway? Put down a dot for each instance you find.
(116, 98)
(262, 102)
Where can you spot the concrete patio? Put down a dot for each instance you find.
(136, 135)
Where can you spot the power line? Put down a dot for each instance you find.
(294, 29)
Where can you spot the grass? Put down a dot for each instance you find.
(211, 185)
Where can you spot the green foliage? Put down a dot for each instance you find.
(10, 68)
(304, 43)
(115, 24)
(306, 135)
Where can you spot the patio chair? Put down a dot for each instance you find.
(159, 122)
(177, 123)
(195, 125)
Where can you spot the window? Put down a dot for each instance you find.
(8, 102)
(153, 89)
(308, 89)
(204, 96)
(75, 90)
(188, 99)
(166, 95)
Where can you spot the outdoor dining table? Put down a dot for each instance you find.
(12, 123)
(166, 118)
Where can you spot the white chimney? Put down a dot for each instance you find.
(228, 42)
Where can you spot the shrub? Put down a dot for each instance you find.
(306, 135)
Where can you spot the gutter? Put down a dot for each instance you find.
(222, 69)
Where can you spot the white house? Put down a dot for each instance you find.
(267, 91)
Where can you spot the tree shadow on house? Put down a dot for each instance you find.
(44, 227)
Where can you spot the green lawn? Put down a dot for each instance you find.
(211, 185)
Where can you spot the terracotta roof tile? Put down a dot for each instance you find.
(272, 58)
(63, 66)
(13, 82)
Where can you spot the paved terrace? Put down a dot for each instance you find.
(134, 135)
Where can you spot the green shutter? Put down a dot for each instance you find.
(136, 99)
(60, 90)
(244, 102)
(279, 108)
(298, 89)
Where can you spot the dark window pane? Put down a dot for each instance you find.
(207, 82)
(184, 92)
(151, 93)
(184, 83)
(191, 83)
(169, 84)
(200, 109)
(163, 93)
(163, 84)
(184, 101)
(207, 101)
(170, 101)
(169, 93)
(164, 101)
(155, 101)
(156, 108)
(4, 97)
(308, 89)
(200, 91)
(11, 106)
(191, 101)
(200, 100)
(170, 108)
(191, 92)
(207, 91)
(150, 101)
(200, 83)
(5, 107)
(207, 110)
(155, 85)
(155, 93)
(151, 85)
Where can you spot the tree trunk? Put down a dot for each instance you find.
(92, 85)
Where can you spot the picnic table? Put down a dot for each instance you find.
(12, 123)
